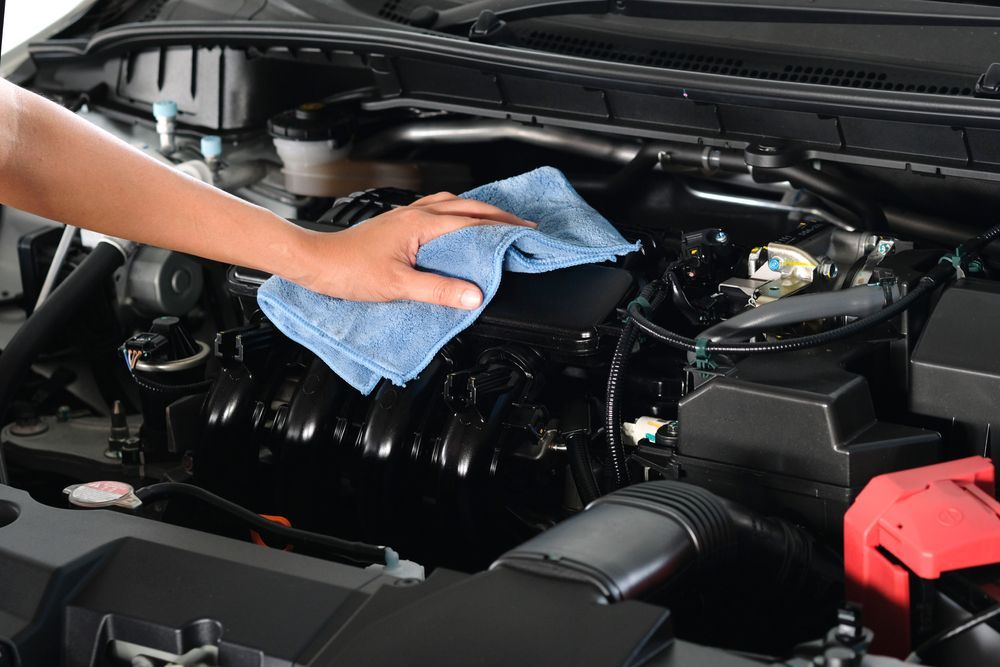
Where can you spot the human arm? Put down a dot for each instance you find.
(57, 165)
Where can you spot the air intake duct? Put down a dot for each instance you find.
(634, 543)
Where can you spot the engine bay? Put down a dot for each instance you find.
(790, 330)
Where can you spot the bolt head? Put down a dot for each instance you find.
(721, 237)
(884, 247)
(774, 263)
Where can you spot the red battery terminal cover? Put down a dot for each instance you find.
(923, 521)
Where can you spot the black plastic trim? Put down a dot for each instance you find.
(912, 107)
(394, 54)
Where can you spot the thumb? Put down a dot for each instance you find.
(431, 288)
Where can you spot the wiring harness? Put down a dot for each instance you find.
(638, 322)
(940, 274)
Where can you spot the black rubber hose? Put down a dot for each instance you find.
(582, 468)
(854, 302)
(628, 176)
(333, 547)
(833, 189)
(909, 224)
(617, 465)
(680, 300)
(666, 529)
(959, 628)
(937, 276)
(824, 185)
(50, 318)
(575, 427)
(706, 158)
(788, 345)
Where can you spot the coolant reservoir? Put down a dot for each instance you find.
(310, 139)
(313, 141)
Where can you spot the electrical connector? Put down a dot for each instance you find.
(142, 346)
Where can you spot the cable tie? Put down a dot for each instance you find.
(955, 259)
(641, 302)
(703, 360)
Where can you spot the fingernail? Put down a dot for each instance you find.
(530, 223)
(470, 298)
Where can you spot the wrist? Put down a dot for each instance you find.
(288, 252)
(301, 255)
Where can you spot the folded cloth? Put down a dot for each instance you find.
(364, 342)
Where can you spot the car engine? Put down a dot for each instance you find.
(783, 338)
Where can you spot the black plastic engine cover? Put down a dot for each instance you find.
(561, 311)
(566, 311)
(795, 431)
(955, 368)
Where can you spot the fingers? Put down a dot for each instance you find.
(436, 225)
(445, 203)
(431, 199)
(431, 288)
(471, 208)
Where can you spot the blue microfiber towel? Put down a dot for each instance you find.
(364, 342)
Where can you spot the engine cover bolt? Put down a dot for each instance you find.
(774, 263)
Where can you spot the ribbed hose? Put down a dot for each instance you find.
(333, 547)
(705, 516)
(662, 531)
(617, 465)
(937, 276)
(52, 316)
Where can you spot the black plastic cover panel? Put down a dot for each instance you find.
(73, 583)
(955, 367)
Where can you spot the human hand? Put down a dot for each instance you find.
(376, 261)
